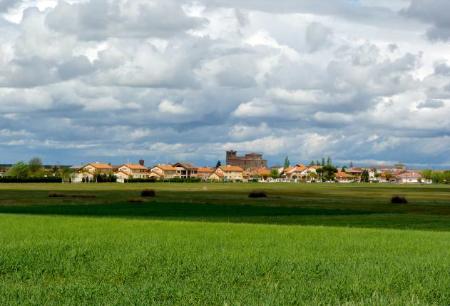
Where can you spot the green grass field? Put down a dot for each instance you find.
(209, 244)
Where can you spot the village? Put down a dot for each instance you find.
(248, 168)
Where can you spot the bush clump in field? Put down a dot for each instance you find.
(56, 195)
(399, 200)
(257, 194)
(147, 193)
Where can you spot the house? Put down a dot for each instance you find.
(165, 171)
(77, 175)
(344, 177)
(260, 174)
(411, 177)
(203, 173)
(247, 176)
(185, 170)
(228, 174)
(355, 172)
(284, 173)
(87, 172)
(310, 175)
(136, 171)
(216, 176)
(154, 176)
(298, 173)
(373, 175)
(122, 176)
(100, 168)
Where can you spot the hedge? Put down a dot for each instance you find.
(172, 180)
(140, 180)
(183, 180)
(9, 179)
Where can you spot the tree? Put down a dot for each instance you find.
(365, 176)
(389, 176)
(35, 166)
(351, 164)
(317, 163)
(287, 163)
(323, 161)
(311, 163)
(65, 173)
(320, 174)
(274, 173)
(427, 174)
(328, 173)
(218, 164)
(19, 170)
(312, 176)
(329, 163)
(343, 168)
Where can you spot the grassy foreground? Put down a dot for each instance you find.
(209, 244)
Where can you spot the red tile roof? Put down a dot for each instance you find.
(231, 169)
(135, 166)
(166, 167)
(205, 170)
(99, 166)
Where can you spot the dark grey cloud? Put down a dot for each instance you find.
(7, 4)
(101, 19)
(318, 36)
(433, 12)
(431, 104)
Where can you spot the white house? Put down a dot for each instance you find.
(87, 172)
(122, 176)
(412, 177)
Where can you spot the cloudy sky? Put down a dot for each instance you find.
(168, 80)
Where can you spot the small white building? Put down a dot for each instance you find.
(411, 177)
(122, 176)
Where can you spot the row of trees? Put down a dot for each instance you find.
(438, 177)
(35, 169)
(326, 172)
(323, 163)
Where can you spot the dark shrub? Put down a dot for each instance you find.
(56, 195)
(148, 193)
(105, 178)
(9, 179)
(257, 194)
(398, 200)
(137, 180)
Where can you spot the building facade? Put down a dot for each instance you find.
(248, 161)
(136, 171)
(165, 171)
(227, 174)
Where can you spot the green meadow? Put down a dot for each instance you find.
(210, 244)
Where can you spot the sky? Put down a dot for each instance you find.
(366, 81)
